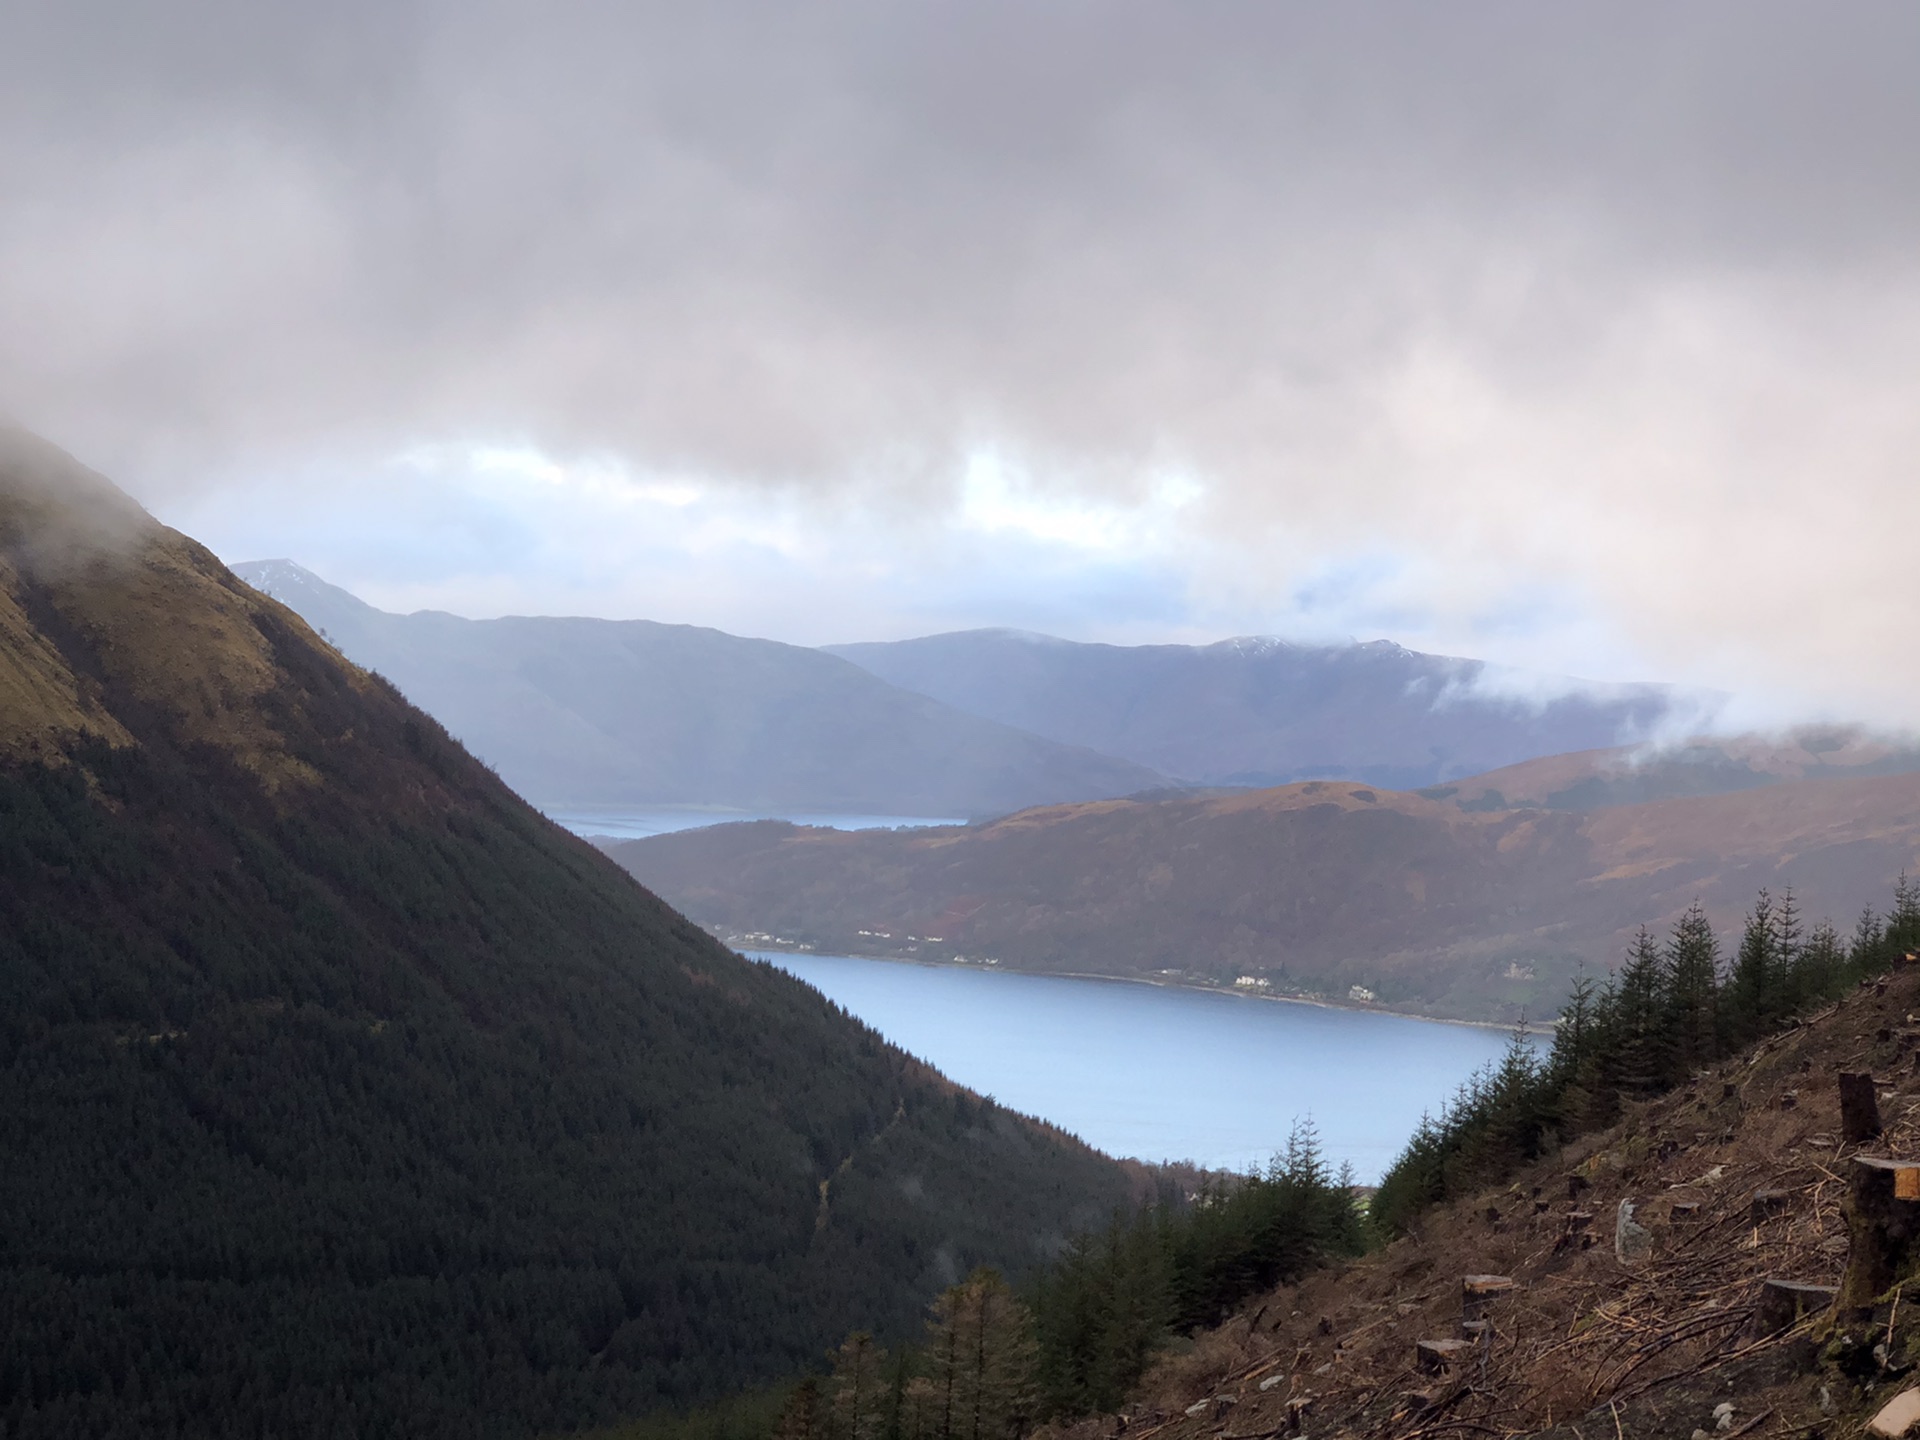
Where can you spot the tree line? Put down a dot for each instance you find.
(1077, 1335)
(1675, 1005)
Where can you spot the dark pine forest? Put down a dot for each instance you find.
(370, 1103)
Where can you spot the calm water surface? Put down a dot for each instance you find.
(1159, 1073)
(638, 824)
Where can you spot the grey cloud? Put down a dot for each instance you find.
(1522, 280)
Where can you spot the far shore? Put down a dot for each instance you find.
(774, 947)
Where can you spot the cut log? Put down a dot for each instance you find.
(1859, 1108)
(1434, 1356)
(1785, 1302)
(1883, 1229)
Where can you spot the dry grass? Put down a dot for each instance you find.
(147, 613)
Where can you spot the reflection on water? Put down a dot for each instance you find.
(638, 824)
(1164, 1074)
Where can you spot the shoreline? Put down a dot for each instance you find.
(1351, 1006)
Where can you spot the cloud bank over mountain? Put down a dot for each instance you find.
(1540, 332)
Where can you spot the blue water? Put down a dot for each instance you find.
(638, 824)
(1159, 1073)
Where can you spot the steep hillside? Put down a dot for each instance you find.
(341, 1094)
(582, 712)
(1263, 711)
(1318, 887)
(1741, 1178)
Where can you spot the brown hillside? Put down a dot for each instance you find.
(84, 570)
(1318, 886)
(1630, 775)
(1585, 1347)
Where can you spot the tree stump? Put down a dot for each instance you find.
(1883, 1229)
(1683, 1210)
(1784, 1302)
(1859, 1108)
(1479, 1292)
(1435, 1356)
(1768, 1203)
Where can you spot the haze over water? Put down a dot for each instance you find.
(1164, 1074)
(621, 824)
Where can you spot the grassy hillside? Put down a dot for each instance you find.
(341, 1094)
(578, 712)
(1479, 914)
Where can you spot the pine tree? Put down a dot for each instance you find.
(804, 1416)
(859, 1393)
(1867, 950)
(1692, 995)
(983, 1361)
(1749, 1004)
(1819, 966)
(1903, 925)
(1639, 1029)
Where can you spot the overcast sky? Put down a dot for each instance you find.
(1578, 336)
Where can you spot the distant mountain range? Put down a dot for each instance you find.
(342, 1094)
(1478, 911)
(585, 712)
(578, 712)
(1262, 712)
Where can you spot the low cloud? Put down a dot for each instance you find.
(1582, 337)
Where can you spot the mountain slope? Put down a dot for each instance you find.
(1317, 886)
(341, 1094)
(601, 712)
(1629, 775)
(1263, 711)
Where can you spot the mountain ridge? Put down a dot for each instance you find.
(582, 711)
(1263, 711)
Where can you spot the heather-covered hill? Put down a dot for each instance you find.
(342, 1094)
(582, 712)
(1478, 914)
(1632, 775)
(1261, 711)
